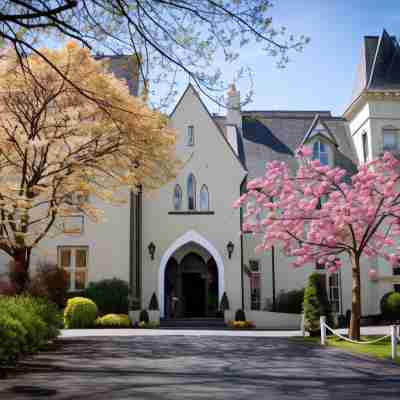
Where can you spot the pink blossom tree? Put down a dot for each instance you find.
(317, 216)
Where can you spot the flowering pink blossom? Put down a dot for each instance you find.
(321, 215)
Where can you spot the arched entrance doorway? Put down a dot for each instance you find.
(191, 253)
(191, 286)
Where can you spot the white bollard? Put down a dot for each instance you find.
(393, 334)
(322, 321)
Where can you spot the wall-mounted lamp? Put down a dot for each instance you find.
(152, 249)
(230, 247)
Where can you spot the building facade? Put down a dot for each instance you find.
(183, 242)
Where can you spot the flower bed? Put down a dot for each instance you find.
(146, 325)
(241, 324)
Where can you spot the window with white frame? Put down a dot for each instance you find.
(204, 199)
(177, 197)
(320, 152)
(190, 135)
(334, 291)
(255, 284)
(390, 139)
(74, 261)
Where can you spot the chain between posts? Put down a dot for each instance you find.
(393, 335)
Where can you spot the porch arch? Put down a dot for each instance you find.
(188, 237)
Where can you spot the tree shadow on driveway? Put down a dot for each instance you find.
(198, 367)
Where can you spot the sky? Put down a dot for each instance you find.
(322, 76)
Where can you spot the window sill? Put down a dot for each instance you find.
(191, 213)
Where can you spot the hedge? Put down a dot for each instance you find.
(110, 295)
(26, 325)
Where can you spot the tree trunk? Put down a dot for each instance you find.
(19, 272)
(354, 329)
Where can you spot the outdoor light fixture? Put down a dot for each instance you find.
(152, 249)
(230, 246)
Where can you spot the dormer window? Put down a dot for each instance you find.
(190, 135)
(390, 140)
(320, 152)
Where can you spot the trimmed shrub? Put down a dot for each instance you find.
(240, 315)
(26, 324)
(12, 339)
(153, 306)
(113, 321)
(25, 311)
(290, 302)
(110, 295)
(144, 316)
(316, 304)
(50, 282)
(80, 313)
(224, 303)
(390, 306)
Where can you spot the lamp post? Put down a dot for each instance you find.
(152, 249)
(230, 247)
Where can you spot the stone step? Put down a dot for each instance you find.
(192, 323)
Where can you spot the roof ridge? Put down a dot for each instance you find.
(379, 49)
(314, 123)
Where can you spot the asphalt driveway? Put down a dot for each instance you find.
(198, 367)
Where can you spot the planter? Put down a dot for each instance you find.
(154, 316)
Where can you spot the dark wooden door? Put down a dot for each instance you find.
(194, 295)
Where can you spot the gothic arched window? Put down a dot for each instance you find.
(191, 192)
(177, 197)
(204, 199)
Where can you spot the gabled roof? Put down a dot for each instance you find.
(217, 125)
(269, 136)
(319, 128)
(379, 66)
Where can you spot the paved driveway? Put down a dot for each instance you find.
(199, 367)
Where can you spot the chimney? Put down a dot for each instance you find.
(233, 115)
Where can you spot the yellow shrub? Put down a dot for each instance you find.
(80, 313)
(113, 321)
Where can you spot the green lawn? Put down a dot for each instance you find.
(380, 350)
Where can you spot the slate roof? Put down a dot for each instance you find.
(379, 67)
(275, 135)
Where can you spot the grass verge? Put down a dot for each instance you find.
(379, 350)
